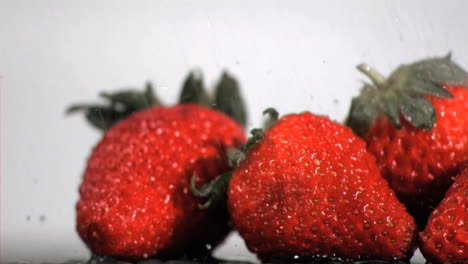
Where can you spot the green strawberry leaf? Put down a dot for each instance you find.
(193, 90)
(404, 93)
(228, 99)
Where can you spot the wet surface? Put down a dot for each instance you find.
(203, 259)
(208, 260)
(341, 262)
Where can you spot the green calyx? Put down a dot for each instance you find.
(193, 90)
(215, 192)
(404, 93)
(120, 104)
(117, 106)
(226, 98)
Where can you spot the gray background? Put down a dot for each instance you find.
(292, 55)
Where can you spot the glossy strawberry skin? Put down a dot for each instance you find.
(420, 165)
(135, 200)
(445, 238)
(310, 189)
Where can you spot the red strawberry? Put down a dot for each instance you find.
(310, 189)
(134, 198)
(416, 125)
(445, 239)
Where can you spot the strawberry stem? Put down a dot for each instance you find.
(376, 78)
(273, 116)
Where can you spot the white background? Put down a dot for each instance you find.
(292, 55)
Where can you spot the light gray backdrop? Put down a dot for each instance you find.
(292, 55)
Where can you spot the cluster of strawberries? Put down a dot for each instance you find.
(166, 181)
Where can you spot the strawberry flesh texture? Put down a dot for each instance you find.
(420, 165)
(445, 238)
(310, 189)
(135, 198)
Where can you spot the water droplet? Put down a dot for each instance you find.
(460, 248)
(42, 218)
(366, 225)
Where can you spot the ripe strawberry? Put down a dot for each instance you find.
(445, 239)
(416, 125)
(310, 189)
(134, 198)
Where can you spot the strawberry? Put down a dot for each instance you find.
(416, 125)
(307, 188)
(445, 238)
(134, 198)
